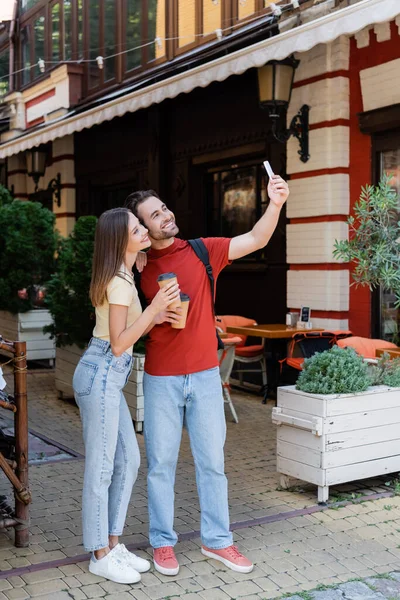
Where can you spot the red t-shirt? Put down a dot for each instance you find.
(193, 349)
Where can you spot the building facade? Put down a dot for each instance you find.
(132, 94)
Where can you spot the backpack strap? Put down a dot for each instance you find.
(201, 251)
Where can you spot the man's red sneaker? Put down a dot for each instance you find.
(165, 561)
(231, 558)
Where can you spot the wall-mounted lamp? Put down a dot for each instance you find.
(275, 82)
(36, 166)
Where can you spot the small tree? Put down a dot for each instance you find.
(374, 239)
(27, 248)
(68, 290)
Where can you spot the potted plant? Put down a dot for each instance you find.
(73, 315)
(341, 422)
(27, 248)
(373, 247)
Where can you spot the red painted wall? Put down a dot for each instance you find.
(361, 156)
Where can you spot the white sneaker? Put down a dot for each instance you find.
(139, 564)
(114, 568)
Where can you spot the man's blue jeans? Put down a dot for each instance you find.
(196, 400)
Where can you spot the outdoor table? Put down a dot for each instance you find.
(393, 352)
(276, 336)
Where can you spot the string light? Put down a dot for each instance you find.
(276, 11)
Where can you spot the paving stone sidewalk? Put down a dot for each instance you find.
(295, 545)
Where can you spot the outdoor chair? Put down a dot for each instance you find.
(245, 355)
(226, 357)
(306, 344)
(366, 347)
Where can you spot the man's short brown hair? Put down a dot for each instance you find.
(134, 200)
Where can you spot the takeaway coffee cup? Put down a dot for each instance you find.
(185, 307)
(163, 280)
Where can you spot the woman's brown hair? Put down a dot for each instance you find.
(110, 243)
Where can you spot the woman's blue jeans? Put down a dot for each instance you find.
(112, 455)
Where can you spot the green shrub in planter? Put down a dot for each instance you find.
(335, 371)
(387, 371)
(27, 248)
(68, 289)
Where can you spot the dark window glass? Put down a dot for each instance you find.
(236, 198)
(38, 26)
(238, 207)
(390, 315)
(26, 55)
(27, 4)
(109, 39)
(4, 71)
(133, 34)
(67, 29)
(94, 43)
(55, 31)
(152, 27)
(80, 29)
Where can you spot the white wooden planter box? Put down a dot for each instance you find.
(333, 439)
(28, 327)
(68, 357)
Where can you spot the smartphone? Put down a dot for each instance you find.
(267, 167)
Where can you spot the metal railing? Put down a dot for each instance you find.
(15, 466)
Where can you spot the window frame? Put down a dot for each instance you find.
(383, 140)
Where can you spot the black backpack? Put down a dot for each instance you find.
(202, 254)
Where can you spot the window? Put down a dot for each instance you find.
(4, 72)
(55, 31)
(25, 55)
(133, 35)
(109, 39)
(237, 197)
(94, 42)
(389, 162)
(39, 48)
(67, 29)
(27, 4)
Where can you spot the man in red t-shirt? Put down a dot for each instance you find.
(182, 382)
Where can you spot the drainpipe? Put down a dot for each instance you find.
(12, 46)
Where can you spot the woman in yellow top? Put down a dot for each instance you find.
(112, 454)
